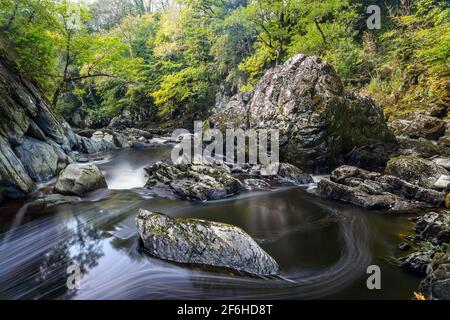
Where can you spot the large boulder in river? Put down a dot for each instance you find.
(320, 123)
(373, 190)
(200, 242)
(193, 181)
(78, 179)
(418, 171)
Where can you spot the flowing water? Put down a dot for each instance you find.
(322, 247)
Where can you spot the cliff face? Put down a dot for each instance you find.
(34, 143)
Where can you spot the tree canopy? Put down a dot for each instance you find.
(174, 57)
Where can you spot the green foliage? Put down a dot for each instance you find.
(101, 57)
(413, 60)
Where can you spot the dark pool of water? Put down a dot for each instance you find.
(322, 247)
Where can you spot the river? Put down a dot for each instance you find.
(323, 247)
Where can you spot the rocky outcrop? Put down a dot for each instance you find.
(200, 242)
(42, 160)
(34, 142)
(44, 201)
(204, 182)
(431, 256)
(436, 286)
(78, 180)
(417, 171)
(194, 182)
(373, 190)
(417, 147)
(419, 126)
(321, 125)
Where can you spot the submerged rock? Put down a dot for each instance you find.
(373, 190)
(43, 201)
(320, 123)
(200, 242)
(78, 179)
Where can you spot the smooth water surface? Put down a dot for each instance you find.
(322, 247)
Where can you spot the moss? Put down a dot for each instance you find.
(447, 200)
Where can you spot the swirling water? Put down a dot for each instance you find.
(322, 247)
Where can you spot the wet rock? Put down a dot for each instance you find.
(15, 182)
(419, 126)
(120, 140)
(415, 170)
(443, 162)
(319, 122)
(104, 140)
(195, 182)
(436, 286)
(404, 246)
(43, 201)
(252, 184)
(442, 183)
(83, 160)
(418, 261)
(293, 174)
(433, 227)
(42, 160)
(376, 191)
(138, 145)
(444, 145)
(89, 146)
(78, 179)
(139, 133)
(200, 242)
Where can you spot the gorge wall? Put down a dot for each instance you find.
(35, 144)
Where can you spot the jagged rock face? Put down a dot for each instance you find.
(34, 142)
(320, 123)
(372, 190)
(78, 179)
(200, 242)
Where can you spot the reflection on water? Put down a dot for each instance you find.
(323, 247)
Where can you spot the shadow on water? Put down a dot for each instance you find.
(322, 247)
